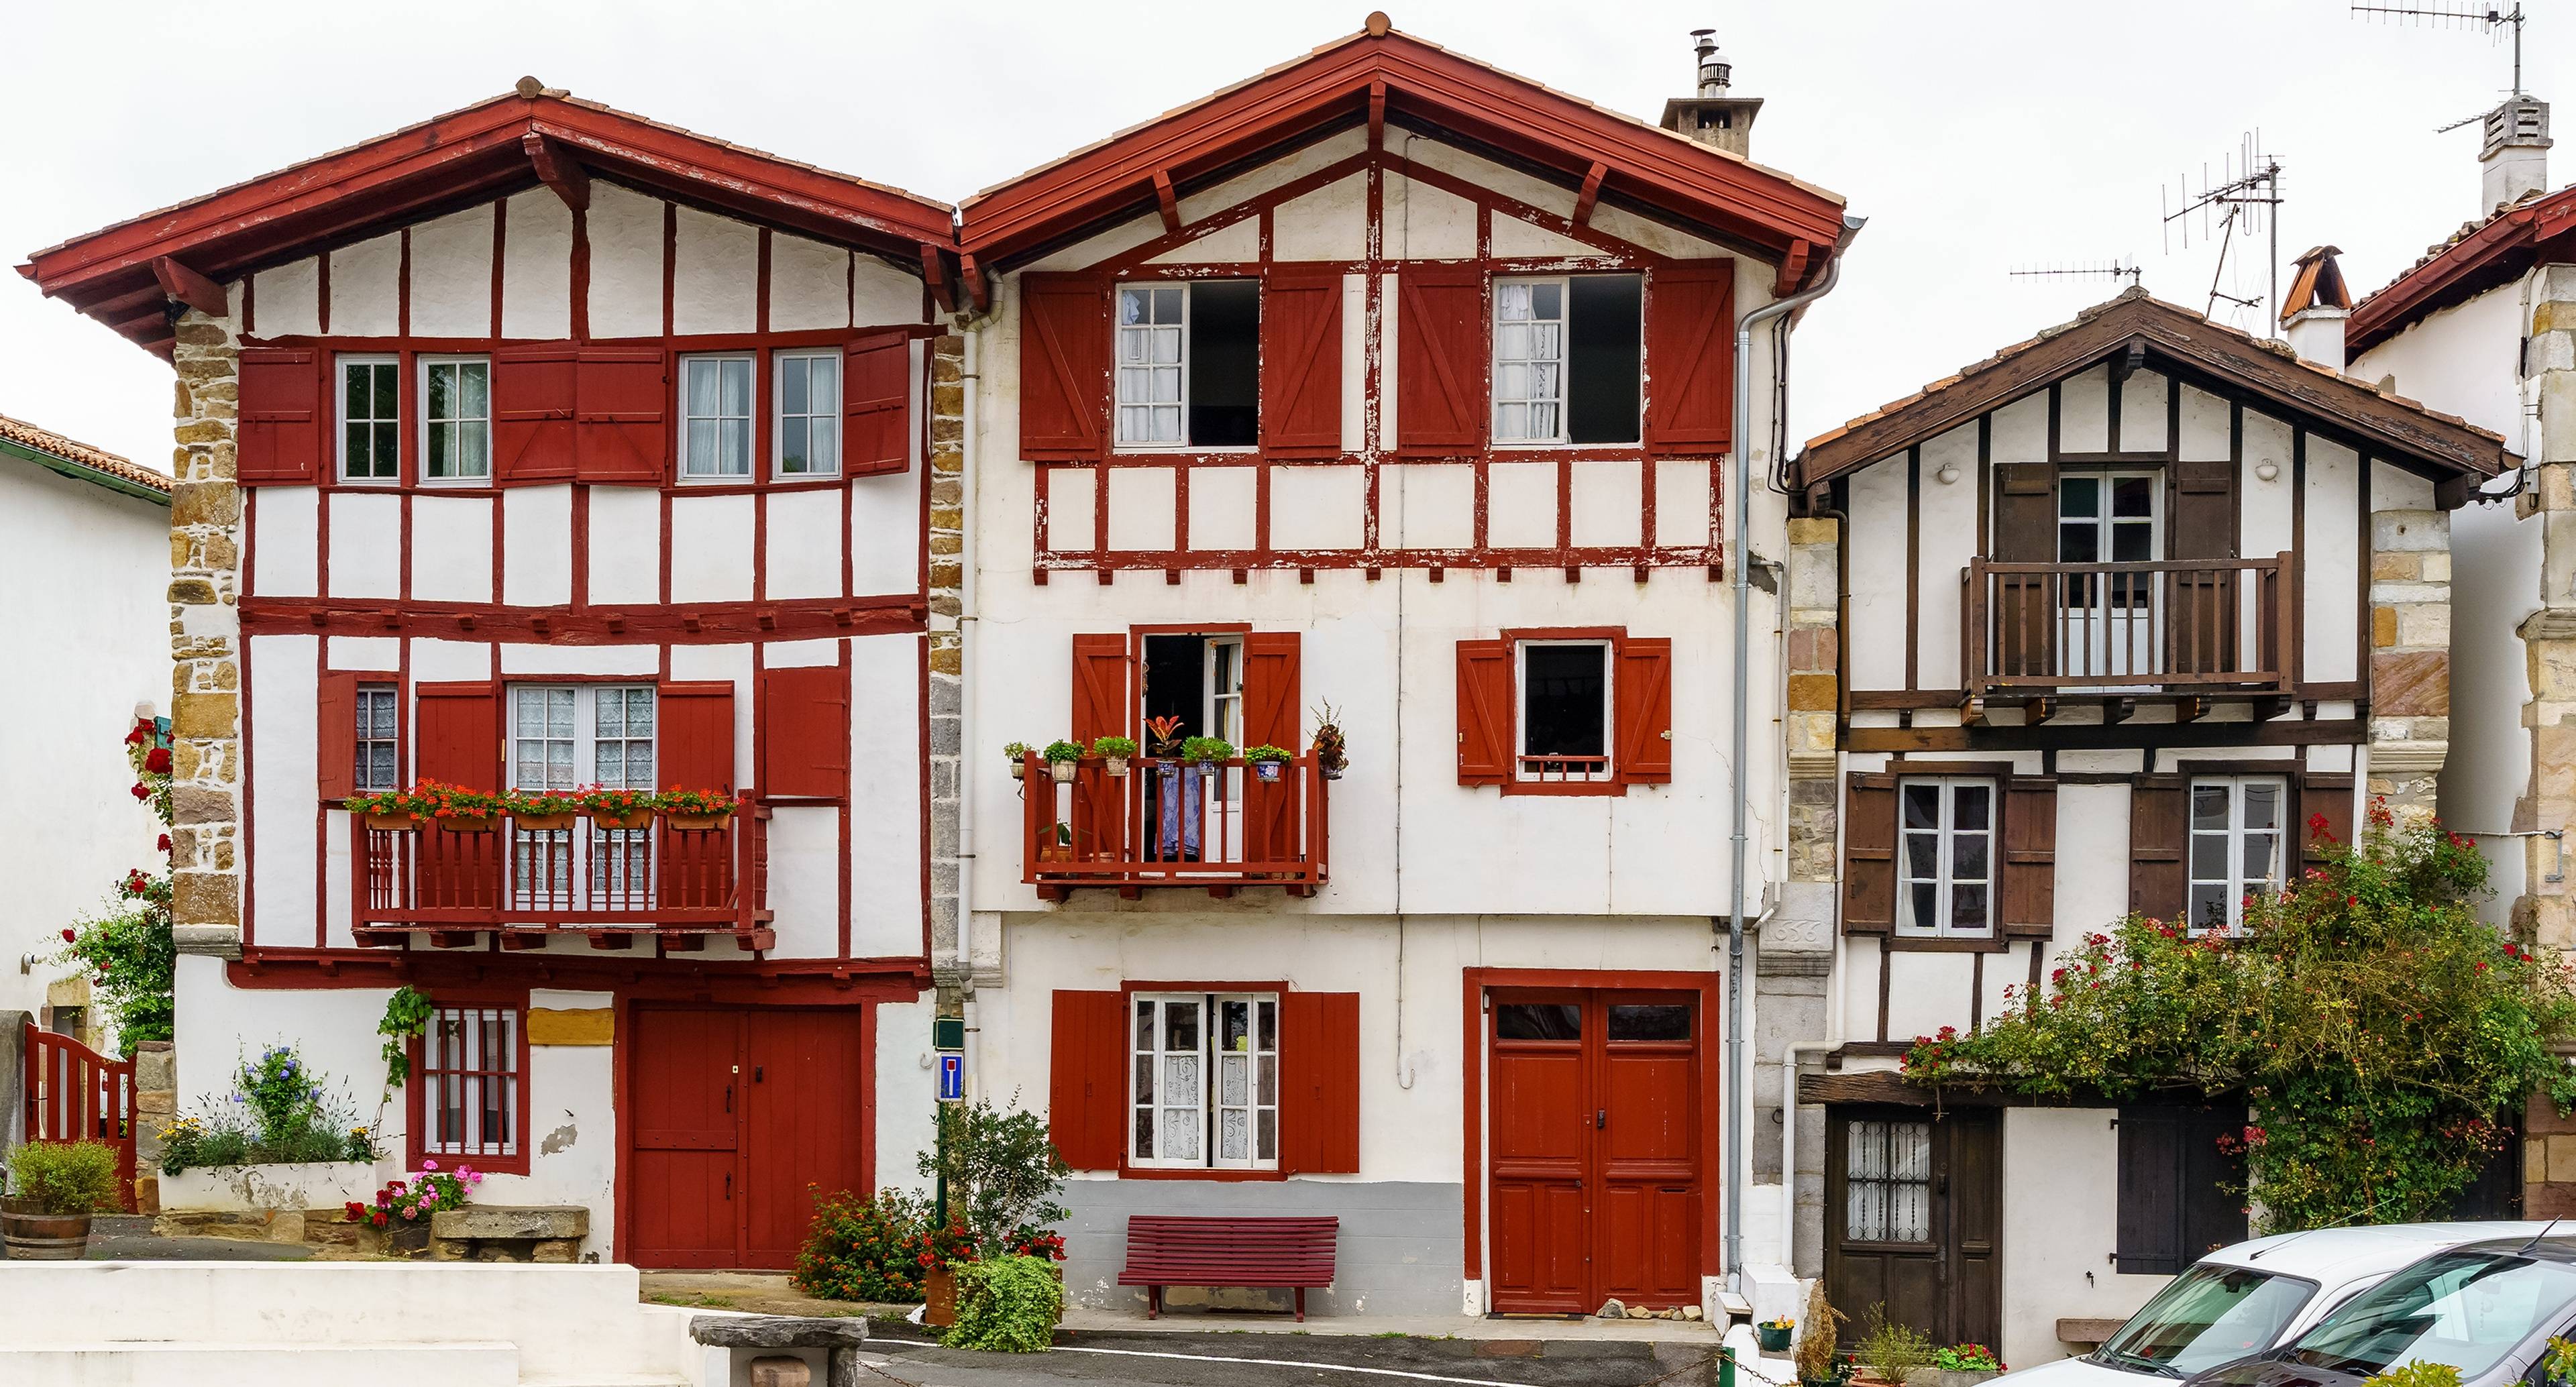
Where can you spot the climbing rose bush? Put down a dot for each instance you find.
(2374, 1025)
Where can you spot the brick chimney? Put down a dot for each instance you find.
(1714, 115)
(2513, 160)
(2313, 312)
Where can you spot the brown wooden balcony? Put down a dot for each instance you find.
(613, 886)
(2193, 628)
(1170, 823)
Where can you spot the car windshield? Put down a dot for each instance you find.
(2207, 1316)
(2464, 1308)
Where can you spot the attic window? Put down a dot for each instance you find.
(1567, 359)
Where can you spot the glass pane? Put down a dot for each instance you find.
(477, 395)
(1131, 306)
(1144, 1025)
(1649, 1021)
(354, 395)
(702, 447)
(2209, 805)
(737, 387)
(1267, 1091)
(1180, 1134)
(639, 712)
(826, 450)
(825, 373)
(442, 450)
(2259, 861)
(1538, 1021)
(1968, 856)
(1269, 1027)
(612, 712)
(2079, 497)
(2208, 907)
(1547, 344)
(1542, 421)
(2133, 496)
(1547, 300)
(1922, 806)
(559, 712)
(1234, 1021)
(1511, 342)
(1511, 301)
(1909, 1150)
(1267, 1130)
(791, 384)
(2262, 804)
(1969, 804)
(355, 445)
(2079, 544)
(477, 438)
(1145, 1133)
(2209, 857)
(1234, 1084)
(1144, 1079)
(791, 445)
(442, 391)
(1968, 907)
(1908, 1213)
(1922, 856)
(1234, 1135)
(1922, 910)
(737, 447)
(387, 453)
(1180, 1079)
(1867, 1157)
(2133, 543)
(1181, 1026)
(702, 389)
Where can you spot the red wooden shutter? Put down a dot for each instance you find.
(1319, 1083)
(2328, 796)
(533, 394)
(805, 726)
(1301, 364)
(336, 739)
(1272, 715)
(1645, 722)
(1869, 854)
(876, 393)
(285, 416)
(2159, 830)
(1100, 708)
(457, 735)
(1690, 357)
(2030, 856)
(1441, 359)
(1087, 1079)
(696, 749)
(621, 427)
(1484, 712)
(1064, 365)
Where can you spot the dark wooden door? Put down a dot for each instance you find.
(1594, 1179)
(1913, 1205)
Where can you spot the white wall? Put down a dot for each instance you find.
(2059, 1229)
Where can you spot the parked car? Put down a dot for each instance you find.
(2251, 1296)
(2487, 1309)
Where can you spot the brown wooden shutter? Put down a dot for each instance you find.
(1869, 854)
(1301, 364)
(1690, 357)
(2023, 620)
(876, 390)
(2328, 796)
(1319, 1083)
(534, 390)
(336, 728)
(1102, 707)
(621, 425)
(2159, 833)
(2030, 856)
(1087, 1079)
(1272, 714)
(805, 732)
(285, 415)
(1441, 360)
(1064, 366)
(2025, 528)
(457, 735)
(695, 751)
(2203, 522)
(1644, 729)
(2201, 614)
(1485, 719)
(2149, 1232)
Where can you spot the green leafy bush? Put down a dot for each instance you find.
(1006, 1305)
(1967, 1358)
(279, 1112)
(65, 1177)
(863, 1248)
(2418, 1373)
(1003, 1172)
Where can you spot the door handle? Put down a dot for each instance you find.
(756, 1075)
(728, 1099)
(1601, 1119)
(728, 1184)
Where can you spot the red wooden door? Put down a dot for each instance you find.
(684, 1139)
(1593, 1123)
(804, 1123)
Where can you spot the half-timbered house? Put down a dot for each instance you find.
(534, 447)
(2122, 609)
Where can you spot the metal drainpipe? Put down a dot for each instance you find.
(1741, 715)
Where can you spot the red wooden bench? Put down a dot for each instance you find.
(1239, 1251)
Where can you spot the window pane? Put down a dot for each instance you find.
(1922, 806)
(2209, 857)
(1181, 1026)
(737, 387)
(1969, 805)
(1644, 1021)
(2208, 907)
(559, 710)
(1538, 1021)
(1267, 1093)
(2209, 804)
(791, 383)
(825, 373)
(1268, 1131)
(2262, 804)
(1922, 905)
(1563, 688)
(1144, 1025)
(1145, 1133)
(2079, 497)
(1144, 1080)
(388, 403)
(1180, 1134)
(2132, 543)
(477, 380)
(1547, 300)
(1132, 307)
(2260, 864)
(2133, 496)
(387, 452)
(791, 445)
(1968, 907)
(1923, 855)
(1269, 1037)
(355, 395)
(702, 389)
(2079, 544)
(1968, 856)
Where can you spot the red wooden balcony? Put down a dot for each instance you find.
(1169, 823)
(612, 885)
(2196, 628)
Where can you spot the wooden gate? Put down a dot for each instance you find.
(74, 1093)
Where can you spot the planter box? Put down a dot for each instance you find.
(322, 1186)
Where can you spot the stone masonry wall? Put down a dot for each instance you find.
(2410, 655)
(1815, 695)
(947, 666)
(205, 644)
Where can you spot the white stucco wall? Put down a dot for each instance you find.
(2059, 1229)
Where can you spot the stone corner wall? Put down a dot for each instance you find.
(205, 644)
(947, 540)
(2410, 656)
(2546, 912)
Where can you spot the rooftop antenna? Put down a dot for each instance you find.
(2113, 268)
(2245, 198)
(2451, 14)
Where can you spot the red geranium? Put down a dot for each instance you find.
(157, 760)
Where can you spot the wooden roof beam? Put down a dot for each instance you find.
(558, 170)
(191, 288)
(1583, 201)
(1166, 202)
(979, 293)
(1377, 116)
(1793, 268)
(934, 272)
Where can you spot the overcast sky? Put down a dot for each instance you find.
(1977, 136)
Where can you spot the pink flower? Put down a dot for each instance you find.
(429, 1165)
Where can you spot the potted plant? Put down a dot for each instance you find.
(1330, 756)
(54, 1188)
(941, 1250)
(696, 811)
(388, 811)
(1062, 758)
(401, 1211)
(1965, 1365)
(1267, 759)
(1815, 1353)
(1890, 1353)
(1113, 753)
(455, 808)
(541, 811)
(617, 809)
(1206, 752)
(1773, 1334)
(1019, 754)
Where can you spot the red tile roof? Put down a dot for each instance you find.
(2477, 257)
(98, 460)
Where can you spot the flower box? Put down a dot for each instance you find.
(321, 1185)
(467, 823)
(542, 823)
(630, 819)
(393, 823)
(701, 823)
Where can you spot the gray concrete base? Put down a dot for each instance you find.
(1402, 1248)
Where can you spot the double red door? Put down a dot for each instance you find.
(731, 1115)
(1593, 1120)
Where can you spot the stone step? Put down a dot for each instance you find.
(176, 1364)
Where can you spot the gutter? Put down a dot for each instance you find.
(1736, 1084)
(82, 472)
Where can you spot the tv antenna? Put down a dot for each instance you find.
(2468, 15)
(2245, 199)
(2108, 269)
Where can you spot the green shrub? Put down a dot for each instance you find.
(2417, 1373)
(1889, 1351)
(65, 1177)
(862, 1248)
(279, 1113)
(1003, 1172)
(1006, 1305)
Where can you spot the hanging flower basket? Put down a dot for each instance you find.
(466, 823)
(616, 810)
(700, 823)
(1113, 753)
(393, 823)
(631, 819)
(1062, 759)
(697, 811)
(542, 823)
(542, 811)
(1062, 771)
(1266, 761)
(1017, 753)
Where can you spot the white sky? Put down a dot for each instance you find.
(1976, 135)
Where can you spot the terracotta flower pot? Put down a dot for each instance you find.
(701, 823)
(467, 823)
(542, 823)
(939, 1297)
(633, 818)
(393, 823)
(40, 1237)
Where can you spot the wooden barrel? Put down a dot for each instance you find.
(34, 1237)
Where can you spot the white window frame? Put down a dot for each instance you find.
(1119, 366)
(428, 456)
(2236, 884)
(373, 699)
(1945, 834)
(1522, 755)
(1563, 362)
(750, 419)
(828, 409)
(466, 1085)
(340, 416)
(575, 868)
(1209, 1107)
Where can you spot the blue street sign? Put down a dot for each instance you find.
(952, 1078)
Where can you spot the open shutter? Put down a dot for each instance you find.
(621, 426)
(1271, 714)
(2030, 856)
(2203, 522)
(457, 735)
(1319, 1083)
(1869, 854)
(1690, 357)
(1301, 364)
(695, 750)
(284, 416)
(805, 732)
(336, 728)
(1064, 366)
(2149, 1235)
(2201, 618)
(1440, 360)
(2159, 825)
(1484, 712)
(1100, 708)
(1087, 1079)
(876, 389)
(1645, 715)
(2328, 797)
(2024, 619)
(533, 394)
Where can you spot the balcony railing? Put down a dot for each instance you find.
(683, 884)
(2186, 626)
(1218, 825)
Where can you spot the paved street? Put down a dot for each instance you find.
(904, 1354)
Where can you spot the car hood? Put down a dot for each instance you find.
(2080, 1372)
(2269, 1372)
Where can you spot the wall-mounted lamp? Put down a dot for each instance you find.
(1948, 473)
(2268, 471)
